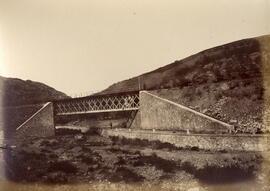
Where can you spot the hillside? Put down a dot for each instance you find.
(16, 92)
(228, 82)
(236, 60)
(20, 100)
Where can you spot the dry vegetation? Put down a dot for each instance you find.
(71, 159)
(225, 82)
(238, 102)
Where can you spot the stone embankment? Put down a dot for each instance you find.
(214, 142)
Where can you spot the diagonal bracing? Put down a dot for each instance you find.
(95, 104)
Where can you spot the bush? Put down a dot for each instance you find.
(121, 161)
(195, 148)
(54, 178)
(125, 174)
(160, 163)
(88, 160)
(67, 131)
(215, 174)
(62, 166)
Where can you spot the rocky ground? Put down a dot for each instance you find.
(240, 103)
(72, 160)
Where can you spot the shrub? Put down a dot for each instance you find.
(125, 174)
(54, 178)
(159, 163)
(216, 174)
(121, 161)
(62, 166)
(195, 148)
(88, 160)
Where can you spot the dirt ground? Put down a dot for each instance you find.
(88, 159)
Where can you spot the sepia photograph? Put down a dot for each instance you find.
(132, 95)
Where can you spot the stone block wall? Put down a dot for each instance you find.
(136, 123)
(12, 117)
(40, 124)
(162, 114)
(202, 141)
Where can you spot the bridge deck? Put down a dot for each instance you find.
(97, 111)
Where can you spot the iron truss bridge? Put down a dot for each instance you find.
(98, 104)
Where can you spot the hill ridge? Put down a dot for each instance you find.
(18, 92)
(165, 78)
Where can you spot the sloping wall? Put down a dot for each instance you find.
(12, 117)
(41, 124)
(162, 114)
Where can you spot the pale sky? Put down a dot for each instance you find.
(86, 45)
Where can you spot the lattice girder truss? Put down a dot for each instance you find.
(97, 104)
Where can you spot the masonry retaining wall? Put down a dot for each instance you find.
(40, 124)
(159, 113)
(213, 142)
(14, 116)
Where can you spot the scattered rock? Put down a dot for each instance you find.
(204, 111)
(225, 86)
(233, 121)
(78, 137)
(76, 149)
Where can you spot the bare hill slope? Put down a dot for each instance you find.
(20, 99)
(228, 82)
(236, 60)
(15, 92)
